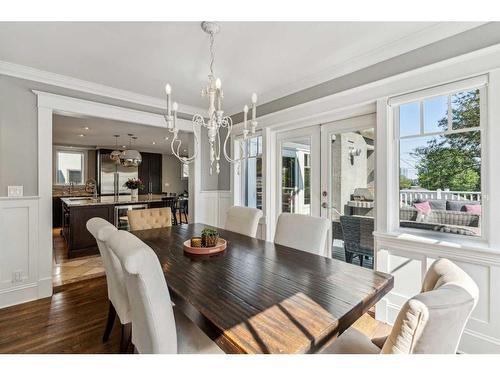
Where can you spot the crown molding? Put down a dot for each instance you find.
(67, 82)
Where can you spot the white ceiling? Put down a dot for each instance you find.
(270, 58)
(67, 130)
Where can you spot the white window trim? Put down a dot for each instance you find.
(481, 83)
(70, 150)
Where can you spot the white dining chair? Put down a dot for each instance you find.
(302, 232)
(117, 294)
(243, 220)
(157, 328)
(431, 322)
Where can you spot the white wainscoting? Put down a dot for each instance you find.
(408, 260)
(19, 276)
(212, 207)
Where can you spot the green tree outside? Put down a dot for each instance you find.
(453, 161)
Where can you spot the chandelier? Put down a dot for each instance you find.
(215, 119)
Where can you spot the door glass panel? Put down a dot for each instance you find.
(352, 184)
(296, 176)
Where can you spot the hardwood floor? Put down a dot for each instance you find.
(73, 320)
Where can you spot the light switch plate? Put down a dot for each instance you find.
(14, 191)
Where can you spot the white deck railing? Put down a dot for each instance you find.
(407, 197)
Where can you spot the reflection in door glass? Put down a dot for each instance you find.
(296, 177)
(352, 196)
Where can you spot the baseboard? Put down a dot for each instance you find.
(26, 292)
(45, 287)
(18, 294)
(478, 343)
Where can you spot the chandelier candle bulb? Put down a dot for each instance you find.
(254, 106)
(168, 90)
(218, 84)
(245, 116)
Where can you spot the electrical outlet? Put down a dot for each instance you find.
(17, 276)
(15, 191)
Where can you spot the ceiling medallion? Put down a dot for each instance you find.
(215, 119)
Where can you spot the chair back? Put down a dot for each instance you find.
(357, 233)
(433, 321)
(115, 279)
(150, 218)
(153, 322)
(302, 232)
(243, 220)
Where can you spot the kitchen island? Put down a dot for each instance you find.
(78, 210)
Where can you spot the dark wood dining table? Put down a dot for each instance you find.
(259, 297)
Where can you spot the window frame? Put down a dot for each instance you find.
(240, 186)
(83, 153)
(480, 83)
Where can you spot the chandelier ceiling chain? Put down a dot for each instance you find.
(215, 119)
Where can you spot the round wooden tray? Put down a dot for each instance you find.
(221, 246)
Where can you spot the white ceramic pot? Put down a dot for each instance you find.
(134, 193)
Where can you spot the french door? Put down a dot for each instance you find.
(328, 170)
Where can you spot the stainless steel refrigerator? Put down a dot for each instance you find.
(112, 176)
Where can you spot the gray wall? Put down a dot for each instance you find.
(18, 137)
(19, 132)
(171, 175)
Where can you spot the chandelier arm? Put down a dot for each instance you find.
(197, 119)
(229, 126)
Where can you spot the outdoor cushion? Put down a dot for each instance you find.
(423, 207)
(473, 208)
(459, 205)
(436, 204)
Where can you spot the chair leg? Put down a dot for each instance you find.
(126, 337)
(109, 323)
(348, 257)
(361, 260)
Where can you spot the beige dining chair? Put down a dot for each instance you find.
(117, 294)
(302, 232)
(157, 327)
(243, 220)
(150, 218)
(431, 322)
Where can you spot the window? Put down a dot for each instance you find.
(440, 160)
(296, 176)
(307, 178)
(251, 174)
(70, 167)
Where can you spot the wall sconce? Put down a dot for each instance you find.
(354, 152)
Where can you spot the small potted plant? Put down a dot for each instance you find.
(134, 184)
(209, 237)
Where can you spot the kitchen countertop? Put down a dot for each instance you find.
(103, 200)
(65, 194)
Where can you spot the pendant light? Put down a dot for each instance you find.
(115, 155)
(130, 157)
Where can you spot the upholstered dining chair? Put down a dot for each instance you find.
(302, 232)
(157, 327)
(243, 220)
(117, 294)
(150, 218)
(431, 322)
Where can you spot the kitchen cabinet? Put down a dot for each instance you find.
(76, 213)
(150, 173)
(80, 241)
